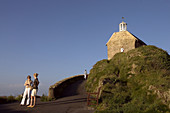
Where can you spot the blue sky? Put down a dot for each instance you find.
(62, 38)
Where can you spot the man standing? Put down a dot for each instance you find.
(35, 90)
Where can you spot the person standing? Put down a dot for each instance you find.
(122, 49)
(27, 91)
(35, 90)
(85, 74)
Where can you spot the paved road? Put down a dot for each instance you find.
(73, 101)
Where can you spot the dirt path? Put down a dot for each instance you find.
(73, 101)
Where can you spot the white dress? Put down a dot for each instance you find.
(27, 92)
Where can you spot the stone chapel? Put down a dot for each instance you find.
(122, 41)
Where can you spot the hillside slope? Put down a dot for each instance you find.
(132, 82)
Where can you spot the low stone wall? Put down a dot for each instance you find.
(56, 90)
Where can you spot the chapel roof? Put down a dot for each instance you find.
(123, 35)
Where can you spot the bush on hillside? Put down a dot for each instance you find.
(136, 81)
(8, 99)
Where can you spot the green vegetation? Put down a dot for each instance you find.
(45, 98)
(9, 99)
(134, 82)
(18, 98)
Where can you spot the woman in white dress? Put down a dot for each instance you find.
(27, 91)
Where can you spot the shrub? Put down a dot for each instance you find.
(19, 98)
(7, 99)
(45, 98)
(11, 99)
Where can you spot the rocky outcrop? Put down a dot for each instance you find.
(163, 95)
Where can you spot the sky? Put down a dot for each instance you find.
(62, 38)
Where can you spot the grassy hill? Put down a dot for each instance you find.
(134, 82)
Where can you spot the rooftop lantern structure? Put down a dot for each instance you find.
(123, 26)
